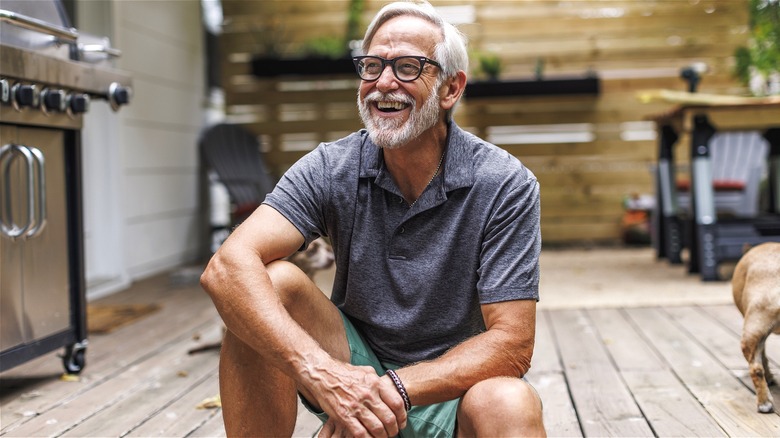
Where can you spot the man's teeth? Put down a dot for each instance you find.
(391, 105)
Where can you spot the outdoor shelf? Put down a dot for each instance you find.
(269, 67)
(589, 85)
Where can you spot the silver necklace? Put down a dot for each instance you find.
(441, 160)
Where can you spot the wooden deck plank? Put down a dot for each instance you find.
(723, 396)
(730, 317)
(213, 428)
(174, 325)
(669, 408)
(93, 401)
(604, 404)
(719, 340)
(183, 417)
(546, 375)
(166, 378)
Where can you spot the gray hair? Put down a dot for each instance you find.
(451, 52)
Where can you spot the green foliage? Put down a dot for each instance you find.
(327, 47)
(763, 49)
(335, 47)
(489, 65)
(353, 20)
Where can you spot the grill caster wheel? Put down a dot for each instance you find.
(75, 357)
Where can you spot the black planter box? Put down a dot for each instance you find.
(542, 87)
(268, 67)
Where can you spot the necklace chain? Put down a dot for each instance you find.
(438, 168)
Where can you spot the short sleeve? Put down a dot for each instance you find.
(509, 262)
(301, 193)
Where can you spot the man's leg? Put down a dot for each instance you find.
(257, 398)
(501, 406)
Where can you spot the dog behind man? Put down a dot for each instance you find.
(756, 288)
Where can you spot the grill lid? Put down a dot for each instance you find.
(41, 26)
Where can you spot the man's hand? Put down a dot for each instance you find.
(359, 402)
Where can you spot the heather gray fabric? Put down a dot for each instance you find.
(412, 280)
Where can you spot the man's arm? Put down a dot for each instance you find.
(238, 282)
(504, 349)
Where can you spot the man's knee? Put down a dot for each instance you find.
(503, 401)
(290, 282)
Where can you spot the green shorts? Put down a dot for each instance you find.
(437, 420)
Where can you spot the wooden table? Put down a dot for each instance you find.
(711, 240)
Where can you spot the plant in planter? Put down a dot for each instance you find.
(319, 56)
(326, 47)
(489, 66)
(758, 64)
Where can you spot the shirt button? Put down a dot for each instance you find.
(403, 230)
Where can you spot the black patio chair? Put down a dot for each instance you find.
(234, 155)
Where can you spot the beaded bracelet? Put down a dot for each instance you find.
(400, 387)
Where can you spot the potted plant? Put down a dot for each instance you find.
(489, 65)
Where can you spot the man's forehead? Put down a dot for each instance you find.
(407, 31)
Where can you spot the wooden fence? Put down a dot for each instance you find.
(589, 151)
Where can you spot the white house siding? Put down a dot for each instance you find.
(156, 163)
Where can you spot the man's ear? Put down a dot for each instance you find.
(452, 89)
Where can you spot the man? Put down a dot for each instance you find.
(436, 238)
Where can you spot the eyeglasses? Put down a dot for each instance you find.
(405, 68)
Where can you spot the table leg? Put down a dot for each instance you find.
(668, 225)
(702, 250)
(773, 137)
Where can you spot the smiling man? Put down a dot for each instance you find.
(431, 321)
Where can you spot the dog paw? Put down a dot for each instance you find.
(766, 408)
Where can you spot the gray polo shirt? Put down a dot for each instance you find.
(412, 279)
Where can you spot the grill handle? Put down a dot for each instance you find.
(99, 48)
(36, 201)
(70, 35)
(7, 225)
(40, 212)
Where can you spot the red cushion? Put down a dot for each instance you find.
(720, 185)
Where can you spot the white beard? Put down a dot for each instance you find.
(394, 133)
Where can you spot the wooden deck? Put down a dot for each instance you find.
(646, 371)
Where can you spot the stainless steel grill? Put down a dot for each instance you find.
(49, 74)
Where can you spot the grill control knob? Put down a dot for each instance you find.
(24, 96)
(53, 100)
(118, 95)
(77, 103)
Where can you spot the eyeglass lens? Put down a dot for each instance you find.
(405, 68)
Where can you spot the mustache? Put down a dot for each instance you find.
(378, 96)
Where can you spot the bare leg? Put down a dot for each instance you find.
(243, 376)
(257, 398)
(501, 406)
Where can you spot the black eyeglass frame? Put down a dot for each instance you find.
(391, 62)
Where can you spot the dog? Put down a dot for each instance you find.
(316, 257)
(756, 289)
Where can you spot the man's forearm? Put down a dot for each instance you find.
(244, 296)
(504, 349)
(451, 375)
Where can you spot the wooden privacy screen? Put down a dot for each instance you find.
(589, 151)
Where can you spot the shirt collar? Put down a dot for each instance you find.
(458, 159)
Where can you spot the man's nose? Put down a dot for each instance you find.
(387, 79)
